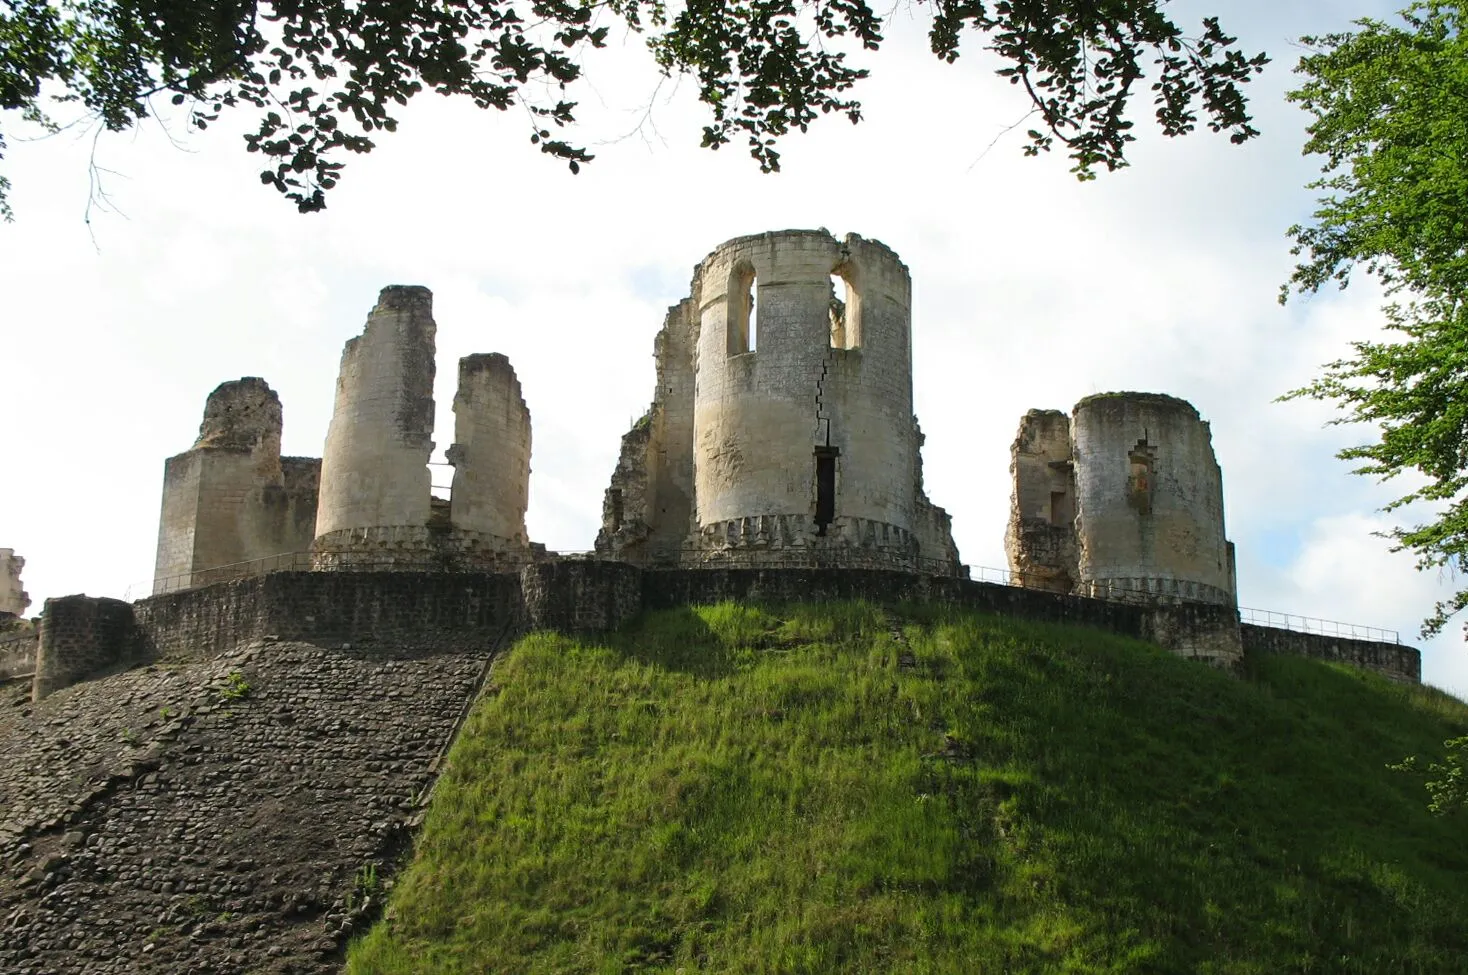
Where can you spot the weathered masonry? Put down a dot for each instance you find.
(13, 597)
(1121, 500)
(781, 429)
(376, 508)
(233, 506)
(232, 498)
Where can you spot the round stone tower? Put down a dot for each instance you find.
(1150, 501)
(803, 426)
(374, 473)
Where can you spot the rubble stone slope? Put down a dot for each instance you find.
(238, 815)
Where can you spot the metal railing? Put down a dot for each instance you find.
(1320, 627)
(784, 559)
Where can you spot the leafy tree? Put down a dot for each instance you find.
(324, 76)
(1390, 108)
(1447, 783)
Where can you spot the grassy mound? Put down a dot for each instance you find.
(843, 789)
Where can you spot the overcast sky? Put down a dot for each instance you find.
(1029, 290)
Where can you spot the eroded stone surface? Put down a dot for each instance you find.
(782, 428)
(491, 451)
(225, 816)
(374, 470)
(232, 499)
(13, 597)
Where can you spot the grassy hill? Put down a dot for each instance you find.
(840, 788)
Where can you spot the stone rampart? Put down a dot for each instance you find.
(79, 636)
(1394, 660)
(369, 608)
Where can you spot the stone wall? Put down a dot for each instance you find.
(362, 608)
(1395, 660)
(580, 595)
(79, 636)
(18, 641)
(491, 450)
(232, 499)
(1040, 537)
(13, 597)
(356, 607)
(374, 471)
(647, 509)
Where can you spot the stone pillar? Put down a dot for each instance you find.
(79, 636)
(374, 472)
(491, 451)
(13, 598)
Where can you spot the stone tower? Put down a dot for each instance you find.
(782, 426)
(232, 498)
(13, 597)
(376, 508)
(1122, 501)
(491, 451)
(374, 469)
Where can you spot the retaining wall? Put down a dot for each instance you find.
(89, 635)
(1396, 661)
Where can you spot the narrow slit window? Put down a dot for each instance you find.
(743, 310)
(616, 508)
(1140, 460)
(825, 488)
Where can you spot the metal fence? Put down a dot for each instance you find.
(785, 559)
(1312, 624)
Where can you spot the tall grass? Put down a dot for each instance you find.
(799, 789)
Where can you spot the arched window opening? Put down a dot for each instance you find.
(845, 307)
(743, 310)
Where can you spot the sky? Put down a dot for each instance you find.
(1030, 290)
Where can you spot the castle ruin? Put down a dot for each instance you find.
(1121, 500)
(13, 597)
(232, 506)
(781, 429)
(232, 498)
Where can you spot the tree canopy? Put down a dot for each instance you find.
(1390, 117)
(323, 77)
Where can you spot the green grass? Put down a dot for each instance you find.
(740, 789)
